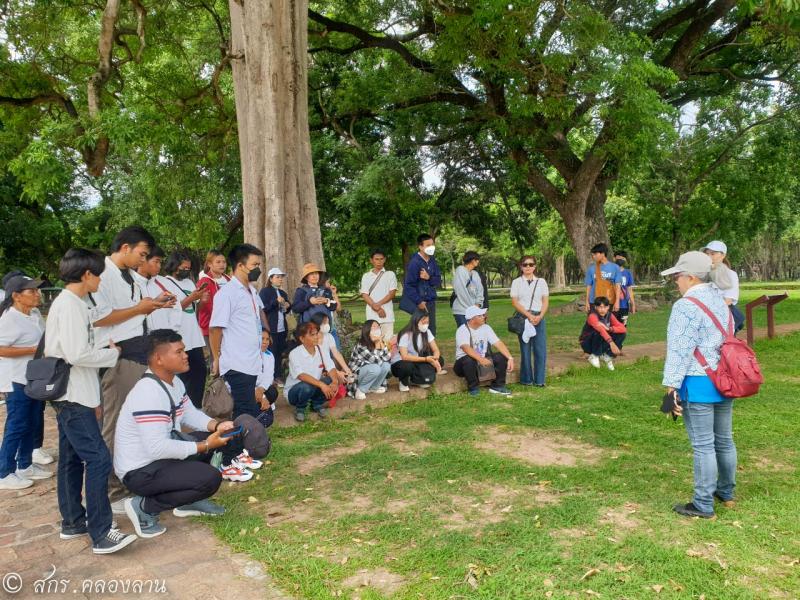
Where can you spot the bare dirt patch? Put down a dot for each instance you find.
(410, 448)
(621, 518)
(381, 580)
(538, 447)
(397, 506)
(328, 456)
(762, 463)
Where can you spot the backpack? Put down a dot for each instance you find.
(738, 374)
(217, 401)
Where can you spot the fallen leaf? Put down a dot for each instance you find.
(256, 529)
(591, 593)
(451, 481)
(590, 573)
(243, 532)
(310, 489)
(694, 553)
(344, 560)
(548, 583)
(472, 581)
(506, 509)
(676, 586)
(548, 594)
(579, 421)
(622, 568)
(657, 588)
(252, 499)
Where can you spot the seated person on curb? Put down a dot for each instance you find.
(419, 360)
(165, 472)
(602, 334)
(328, 345)
(473, 340)
(266, 390)
(369, 362)
(312, 379)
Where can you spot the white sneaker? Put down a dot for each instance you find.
(233, 473)
(443, 372)
(245, 461)
(379, 390)
(34, 472)
(360, 395)
(41, 457)
(403, 387)
(594, 361)
(610, 364)
(118, 507)
(12, 481)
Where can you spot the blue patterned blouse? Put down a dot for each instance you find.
(689, 328)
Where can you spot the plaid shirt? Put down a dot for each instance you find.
(364, 356)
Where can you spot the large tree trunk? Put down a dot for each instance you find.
(586, 222)
(269, 44)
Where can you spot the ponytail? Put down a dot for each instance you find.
(6, 303)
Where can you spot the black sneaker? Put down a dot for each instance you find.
(690, 510)
(76, 531)
(115, 540)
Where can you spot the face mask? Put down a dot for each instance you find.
(183, 273)
(423, 329)
(620, 262)
(429, 250)
(254, 274)
(375, 334)
(325, 328)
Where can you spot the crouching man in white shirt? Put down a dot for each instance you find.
(164, 468)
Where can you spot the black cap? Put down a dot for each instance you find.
(19, 283)
(11, 274)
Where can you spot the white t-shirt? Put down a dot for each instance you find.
(267, 375)
(113, 294)
(386, 284)
(18, 330)
(522, 289)
(405, 342)
(161, 318)
(188, 326)
(480, 339)
(300, 361)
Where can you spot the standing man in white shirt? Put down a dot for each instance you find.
(378, 289)
(235, 335)
(120, 317)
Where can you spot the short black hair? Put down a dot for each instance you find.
(303, 329)
(241, 252)
(601, 301)
(423, 237)
(469, 256)
(77, 261)
(319, 318)
(155, 252)
(601, 247)
(133, 236)
(621, 253)
(375, 251)
(159, 337)
(174, 260)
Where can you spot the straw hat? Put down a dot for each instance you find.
(308, 269)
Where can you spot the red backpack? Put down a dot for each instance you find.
(738, 374)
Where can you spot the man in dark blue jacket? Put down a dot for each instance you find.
(423, 278)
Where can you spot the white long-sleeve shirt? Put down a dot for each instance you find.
(144, 425)
(70, 335)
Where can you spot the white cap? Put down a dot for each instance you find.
(715, 246)
(474, 311)
(691, 262)
(275, 271)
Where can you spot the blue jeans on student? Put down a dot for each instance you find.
(460, 320)
(302, 394)
(537, 346)
(82, 451)
(373, 376)
(23, 419)
(710, 429)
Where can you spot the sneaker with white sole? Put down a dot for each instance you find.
(114, 541)
(118, 506)
(594, 360)
(503, 391)
(201, 508)
(609, 362)
(379, 390)
(245, 461)
(145, 524)
(12, 481)
(234, 473)
(70, 533)
(443, 372)
(403, 387)
(360, 395)
(34, 472)
(41, 457)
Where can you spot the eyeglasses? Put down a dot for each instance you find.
(677, 276)
(528, 265)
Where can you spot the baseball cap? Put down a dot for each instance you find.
(21, 282)
(474, 311)
(690, 262)
(715, 246)
(11, 274)
(275, 271)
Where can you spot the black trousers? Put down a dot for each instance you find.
(266, 417)
(195, 378)
(168, 483)
(415, 372)
(243, 390)
(595, 344)
(467, 367)
(278, 347)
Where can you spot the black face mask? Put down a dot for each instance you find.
(183, 273)
(254, 274)
(620, 262)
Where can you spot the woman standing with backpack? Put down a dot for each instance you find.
(707, 414)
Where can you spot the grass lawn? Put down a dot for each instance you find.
(564, 492)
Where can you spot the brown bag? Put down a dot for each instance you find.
(486, 373)
(603, 287)
(217, 401)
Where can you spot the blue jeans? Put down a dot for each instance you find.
(373, 376)
(81, 450)
(537, 346)
(302, 393)
(710, 429)
(23, 420)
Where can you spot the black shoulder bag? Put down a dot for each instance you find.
(516, 322)
(175, 434)
(47, 377)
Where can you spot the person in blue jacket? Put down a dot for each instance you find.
(276, 307)
(423, 278)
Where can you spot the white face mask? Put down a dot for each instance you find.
(423, 329)
(429, 250)
(326, 328)
(375, 334)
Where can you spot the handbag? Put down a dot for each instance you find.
(516, 322)
(47, 377)
(485, 372)
(175, 434)
(217, 401)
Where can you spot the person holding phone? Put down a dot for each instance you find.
(165, 468)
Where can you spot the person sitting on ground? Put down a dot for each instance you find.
(602, 334)
(266, 390)
(328, 345)
(418, 361)
(313, 378)
(164, 468)
(473, 355)
(369, 362)
(467, 287)
(627, 301)
(602, 278)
